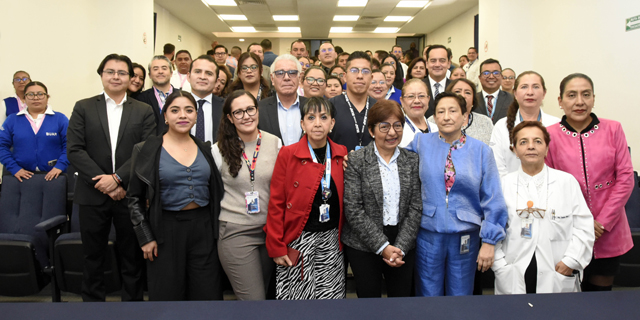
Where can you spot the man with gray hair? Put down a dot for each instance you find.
(280, 113)
(160, 72)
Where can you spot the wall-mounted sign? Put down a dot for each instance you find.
(632, 23)
(449, 40)
(179, 38)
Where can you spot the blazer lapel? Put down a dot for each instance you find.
(373, 172)
(126, 112)
(272, 112)
(101, 107)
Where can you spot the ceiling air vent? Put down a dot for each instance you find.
(251, 2)
(365, 18)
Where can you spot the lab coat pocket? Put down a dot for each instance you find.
(563, 283)
(561, 225)
(504, 280)
(468, 216)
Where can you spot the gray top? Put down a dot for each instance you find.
(480, 129)
(181, 185)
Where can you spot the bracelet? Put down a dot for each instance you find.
(115, 179)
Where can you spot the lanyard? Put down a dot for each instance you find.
(251, 165)
(406, 119)
(539, 116)
(364, 122)
(182, 80)
(161, 96)
(326, 180)
(259, 93)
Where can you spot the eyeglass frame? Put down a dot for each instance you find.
(18, 80)
(360, 70)
(280, 73)
(39, 94)
(399, 129)
(339, 75)
(508, 78)
(408, 97)
(112, 73)
(312, 80)
(242, 112)
(253, 67)
(486, 74)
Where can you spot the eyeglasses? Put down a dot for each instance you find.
(33, 95)
(339, 75)
(25, 79)
(280, 73)
(112, 73)
(508, 78)
(311, 80)
(365, 71)
(219, 54)
(239, 114)
(537, 213)
(385, 126)
(412, 97)
(253, 67)
(488, 73)
(306, 65)
(326, 50)
(381, 82)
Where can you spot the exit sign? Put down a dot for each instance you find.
(632, 23)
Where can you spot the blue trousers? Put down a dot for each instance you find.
(440, 268)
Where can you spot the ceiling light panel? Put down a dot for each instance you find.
(285, 18)
(340, 29)
(237, 17)
(398, 18)
(345, 18)
(243, 29)
(412, 4)
(352, 3)
(221, 2)
(289, 29)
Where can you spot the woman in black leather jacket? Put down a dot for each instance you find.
(174, 201)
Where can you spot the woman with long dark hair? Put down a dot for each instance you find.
(250, 76)
(398, 80)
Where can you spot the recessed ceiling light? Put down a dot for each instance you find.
(285, 18)
(233, 17)
(352, 3)
(345, 18)
(385, 30)
(289, 29)
(340, 29)
(397, 18)
(241, 40)
(220, 2)
(243, 29)
(412, 4)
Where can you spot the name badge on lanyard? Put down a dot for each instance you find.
(359, 132)
(325, 183)
(252, 199)
(526, 229)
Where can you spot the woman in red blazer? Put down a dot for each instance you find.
(305, 210)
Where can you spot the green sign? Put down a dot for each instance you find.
(632, 23)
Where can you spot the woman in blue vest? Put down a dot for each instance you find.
(14, 104)
(38, 136)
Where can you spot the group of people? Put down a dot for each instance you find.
(424, 181)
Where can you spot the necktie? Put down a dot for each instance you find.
(490, 105)
(200, 121)
(437, 86)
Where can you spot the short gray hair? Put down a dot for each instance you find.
(289, 57)
(161, 57)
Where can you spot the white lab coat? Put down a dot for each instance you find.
(569, 236)
(505, 159)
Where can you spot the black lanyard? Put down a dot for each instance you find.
(355, 121)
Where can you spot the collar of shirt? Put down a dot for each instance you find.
(538, 179)
(166, 94)
(109, 100)
(295, 104)
(394, 157)
(443, 83)
(48, 111)
(391, 91)
(207, 98)
(495, 95)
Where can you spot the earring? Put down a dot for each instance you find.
(304, 132)
(166, 122)
(330, 130)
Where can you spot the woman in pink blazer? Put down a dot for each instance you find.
(595, 152)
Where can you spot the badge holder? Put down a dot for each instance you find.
(324, 208)
(252, 202)
(465, 242)
(526, 229)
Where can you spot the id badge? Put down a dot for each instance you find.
(526, 228)
(358, 148)
(324, 213)
(465, 242)
(252, 201)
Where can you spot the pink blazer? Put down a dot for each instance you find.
(605, 174)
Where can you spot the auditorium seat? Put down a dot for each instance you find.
(630, 262)
(25, 209)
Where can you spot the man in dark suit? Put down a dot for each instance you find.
(438, 62)
(203, 75)
(492, 101)
(280, 113)
(160, 74)
(101, 135)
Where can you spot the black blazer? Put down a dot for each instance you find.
(149, 97)
(145, 185)
(504, 100)
(89, 143)
(216, 116)
(432, 100)
(268, 120)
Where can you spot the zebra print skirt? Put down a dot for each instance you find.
(319, 274)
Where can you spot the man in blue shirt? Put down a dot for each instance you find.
(269, 56)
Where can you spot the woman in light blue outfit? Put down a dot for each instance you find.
(462, 203)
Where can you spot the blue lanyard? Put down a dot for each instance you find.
(406, 119)
(326, 180)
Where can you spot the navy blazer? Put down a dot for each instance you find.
(504, 100)
(268, 121)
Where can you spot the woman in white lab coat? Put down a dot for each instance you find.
(550, 233)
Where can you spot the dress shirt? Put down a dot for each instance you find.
(390, 190)
(208, 126)
(180, 81)
(405, 69)
(114, 116)
(289, 121)
(494, 102)
(536, 190)
(443, 86)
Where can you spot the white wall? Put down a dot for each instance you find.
(169, 28)
(61, 43)
(362, 44)
(460, 29)
(557, 38)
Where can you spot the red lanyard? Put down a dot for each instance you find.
(251, 165)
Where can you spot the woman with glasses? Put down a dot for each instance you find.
(462, 204)
(508, 76)
(415, 103)
(245, 157)
(35, 139)
(334, 87)
(393, 93)
(314, 82)
(136, 85)
(250, 76)
(340, 73)
(174, 202)
(550, 228)
(16, 103)
(378, 88)
(305, 63)
(417, 69)
(398, 80)
(382, 206)
(305, 210)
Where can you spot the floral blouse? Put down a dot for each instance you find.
(449, 168)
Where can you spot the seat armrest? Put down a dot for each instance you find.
(51, 223)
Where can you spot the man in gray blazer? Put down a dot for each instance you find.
(280, 113)
(492, 101)
(102, 132)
